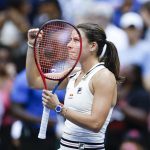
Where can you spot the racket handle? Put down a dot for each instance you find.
(44, 122)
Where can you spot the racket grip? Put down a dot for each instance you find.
(44, 122)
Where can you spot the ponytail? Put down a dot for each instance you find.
(111, 60)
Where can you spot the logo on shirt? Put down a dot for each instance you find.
(70, 96)
(79, 91)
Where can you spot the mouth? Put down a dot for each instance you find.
(72, 55)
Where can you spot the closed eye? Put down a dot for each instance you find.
(76, 39)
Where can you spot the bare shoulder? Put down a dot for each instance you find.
(104, 85)
(104, 77)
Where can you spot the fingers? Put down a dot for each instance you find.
(49, 100)
(46, 97)
(32, 34)
(45, 102)
(47, 92)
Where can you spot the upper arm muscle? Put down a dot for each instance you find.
(104, 85)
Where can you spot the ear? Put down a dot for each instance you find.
(93, 46)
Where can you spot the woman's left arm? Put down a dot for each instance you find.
(104, 85)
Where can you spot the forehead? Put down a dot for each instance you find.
(75, 33)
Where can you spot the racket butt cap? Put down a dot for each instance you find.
(42, 136)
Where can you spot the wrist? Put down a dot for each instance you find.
(59, 108)
(64, 112)
(30, 45)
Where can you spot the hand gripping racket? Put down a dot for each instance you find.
(54, 60)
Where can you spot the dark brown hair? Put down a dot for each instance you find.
(95, 33)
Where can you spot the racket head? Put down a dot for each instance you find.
(51, 53)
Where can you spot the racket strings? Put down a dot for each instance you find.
(52, 52)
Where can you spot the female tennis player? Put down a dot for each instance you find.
(91, 92)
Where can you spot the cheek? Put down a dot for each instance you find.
(83, 54)
(85, 51)
(85, 47)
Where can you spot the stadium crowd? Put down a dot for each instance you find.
(127, 25)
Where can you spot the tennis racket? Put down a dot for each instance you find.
(53, 58)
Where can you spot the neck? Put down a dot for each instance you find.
(86, 66)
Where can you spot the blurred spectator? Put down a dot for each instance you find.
(27, 107)
(125, 6)
(137, 51)
(14, 25)
(133, 93)
(130, 145)
(102, 16)
(145, 13)
(134, 101)
(6, 80)
(47, 10)
(69, 7)
(6, 64)
(132, 109)
(132, 141)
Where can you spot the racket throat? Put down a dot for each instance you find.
(55, 88)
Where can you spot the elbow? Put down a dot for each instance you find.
(96, 127)
(31, 84)
(31, 81)
(35, 83)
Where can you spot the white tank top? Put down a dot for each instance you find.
(80, 99)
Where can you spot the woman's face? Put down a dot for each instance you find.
(74, 44)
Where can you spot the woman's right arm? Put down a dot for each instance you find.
(33, 75)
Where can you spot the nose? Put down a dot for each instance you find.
(69, 45)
